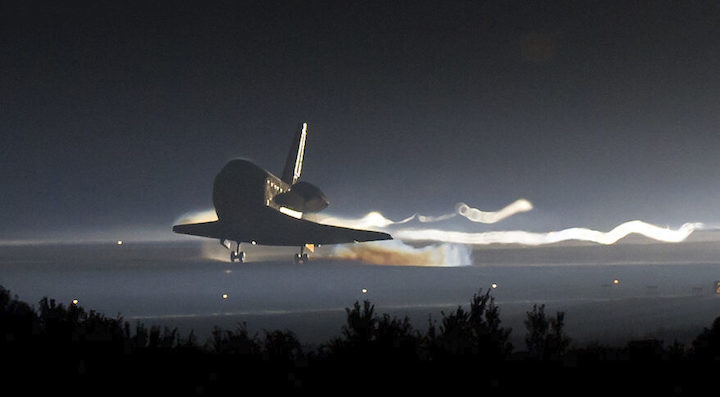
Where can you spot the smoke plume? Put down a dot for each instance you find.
(396, 253)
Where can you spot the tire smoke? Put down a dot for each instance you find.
(397, 253)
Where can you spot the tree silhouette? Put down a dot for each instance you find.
(361, 324)
(18, 320)
(238, 342)
(367, 336)
(397, 338)
(476, 332)
(706, 346)
(282, 347)
(545, 338)
(68, 348)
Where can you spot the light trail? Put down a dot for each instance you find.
(377, 220)
(529, 238)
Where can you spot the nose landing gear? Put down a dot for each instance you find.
(301, 257)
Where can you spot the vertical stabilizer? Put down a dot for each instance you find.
(293, 164)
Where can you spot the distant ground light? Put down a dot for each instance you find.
(225, 296)
(119, 242)
(75, 302)
(616, 281)
(364, 290)
(494, 285)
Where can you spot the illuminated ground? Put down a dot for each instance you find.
(662, 290)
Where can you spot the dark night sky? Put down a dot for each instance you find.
(117, 115)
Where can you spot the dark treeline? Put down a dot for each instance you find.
(55, 348)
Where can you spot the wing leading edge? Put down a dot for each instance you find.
(275, 228)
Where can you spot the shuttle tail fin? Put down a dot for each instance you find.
(293, 164)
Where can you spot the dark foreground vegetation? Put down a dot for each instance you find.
(57, 348)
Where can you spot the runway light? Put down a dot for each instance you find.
(225, 296)
(616, 281)
(364, 290)
(119, 242)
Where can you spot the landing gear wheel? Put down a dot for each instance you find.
(300, 258)
(239, 256)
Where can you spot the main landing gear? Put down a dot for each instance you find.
(301, 257)
(236, 254)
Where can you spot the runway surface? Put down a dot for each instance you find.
(609, 294)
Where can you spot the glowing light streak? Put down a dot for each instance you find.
(475, 215)
(301, 154)
(369, 221)
(197, 217)
(289, 212)
(530, 238)
(377, 220)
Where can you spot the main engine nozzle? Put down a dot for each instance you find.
(303, 197)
